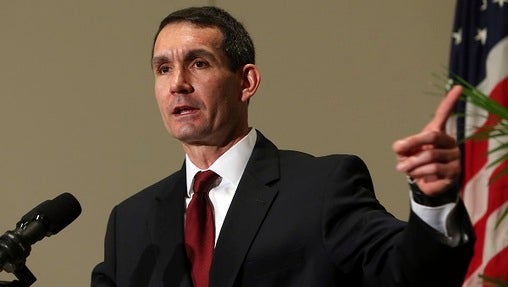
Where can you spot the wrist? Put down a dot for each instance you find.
(448, 196)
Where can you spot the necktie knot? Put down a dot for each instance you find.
(204, 180)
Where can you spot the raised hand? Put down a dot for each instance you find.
(432, 157)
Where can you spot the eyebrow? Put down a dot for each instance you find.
(190, 55)
(199, 53)
(156, 61)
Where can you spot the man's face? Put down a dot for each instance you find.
(199, 98)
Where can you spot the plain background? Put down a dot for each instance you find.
(78, 115)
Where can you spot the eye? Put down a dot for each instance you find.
(199, 64)
(163, 70)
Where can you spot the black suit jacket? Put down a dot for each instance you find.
(295, 220)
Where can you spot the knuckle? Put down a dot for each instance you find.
(433, 169)
(434, 135)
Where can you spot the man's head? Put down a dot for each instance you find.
(237, 44)
(202, 92)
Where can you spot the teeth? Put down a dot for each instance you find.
(183, 110)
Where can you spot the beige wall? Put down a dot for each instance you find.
(77, 112)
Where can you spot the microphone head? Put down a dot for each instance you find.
(54, 214)
(60, 212)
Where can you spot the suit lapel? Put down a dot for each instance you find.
(248, 209)
(167, 232)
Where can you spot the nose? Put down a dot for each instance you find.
(180, 83)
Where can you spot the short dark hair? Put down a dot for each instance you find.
(237, 44)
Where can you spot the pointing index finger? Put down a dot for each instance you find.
(444, 110)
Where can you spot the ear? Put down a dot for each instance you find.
(250, 81)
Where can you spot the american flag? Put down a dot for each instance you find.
(479, 54)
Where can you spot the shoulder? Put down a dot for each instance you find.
(333, 169)
(155, 191)
(268, 154)
(265, 147)
(291, 157)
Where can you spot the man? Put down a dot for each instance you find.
(281, 218)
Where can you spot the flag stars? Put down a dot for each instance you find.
(500, 2)
(481, 35)
(457, 37)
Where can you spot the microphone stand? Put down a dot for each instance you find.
(25, 276)
(16, 249)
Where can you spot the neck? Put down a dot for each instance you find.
(203, 156)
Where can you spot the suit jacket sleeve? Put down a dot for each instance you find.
(371, 245)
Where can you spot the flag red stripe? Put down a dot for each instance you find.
(497, 266)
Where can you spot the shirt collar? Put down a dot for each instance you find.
(230, 165)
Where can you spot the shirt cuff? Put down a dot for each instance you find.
(434, 216)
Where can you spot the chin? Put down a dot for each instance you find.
(189, 136)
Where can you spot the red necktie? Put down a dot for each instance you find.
(200, 228)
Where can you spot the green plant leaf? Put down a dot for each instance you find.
(498, 175)
(498, 160)
(479, 99)
(503, 216)
(494, 281)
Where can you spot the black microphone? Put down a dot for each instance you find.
(45, 219)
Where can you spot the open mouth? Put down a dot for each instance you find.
(183, 110)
